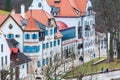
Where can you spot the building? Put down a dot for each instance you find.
(37, 35)
(74, 13)
(18, 61)
(5, 53)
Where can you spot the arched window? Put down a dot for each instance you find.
(34, 36)
(27, 36)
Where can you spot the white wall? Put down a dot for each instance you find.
(16, 30)
(6, 52)
(22, 71)
(44, 5)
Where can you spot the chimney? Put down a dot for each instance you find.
(23, 10)
(13, 11)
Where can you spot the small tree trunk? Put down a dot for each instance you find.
(111, 50)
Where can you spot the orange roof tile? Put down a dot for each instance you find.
(67, 7)
(40, 15)
(17, 18)
(58, 35)
(81, 4)
(2, 18)
(31, 25)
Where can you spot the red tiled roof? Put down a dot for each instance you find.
(61, 25)
(14, 50)
(2, 18)
(17, 18)
(58, 35)
(67, 7)
(31, 25)
(40, 15)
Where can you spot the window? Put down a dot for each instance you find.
(43, 61)
(43, 46)
(27, 36)
(5, 59)
(27, 49)
(54, 43)
(2, 61)
(17, 36)
(55, 30)
(58, 42)
(23, 66)
(1, 47)
(38, 48)
(46, 32)
(34, 36)
(46, 60)
(10, 36)
(34, 49)
(57, 1)
(50, 44)
(38, 63)
(10, 26)
(27, 65)
(47, 45)
(51, 31)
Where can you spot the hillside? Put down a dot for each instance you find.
(4, 12)
(15, 4)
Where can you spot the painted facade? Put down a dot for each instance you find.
(5, 53)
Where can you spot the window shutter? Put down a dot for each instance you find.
(54, 43)
(51, 31)
(30, 49)
(50, 44)
(58, 42)
(38, 63)
(55, 30)
(46, 60)
(24, 48)
(46, 32)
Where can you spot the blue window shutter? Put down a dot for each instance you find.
(7, 35)
(46, 60)
(46, 32)
(43, 46)
(24, 48)
(38, 48)
(47, 45)
(58, 42)
(50, 44)
(30, 49)
(38, 63)
(55, 30)
(51, 31)
(27, 65)
(12, 35)
(54, 43)
(43, 61)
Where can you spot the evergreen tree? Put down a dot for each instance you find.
(8, 5)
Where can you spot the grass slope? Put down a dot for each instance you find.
(4, 12)
(88, 69)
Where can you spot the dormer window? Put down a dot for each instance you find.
(57, 1)
(55, 10)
